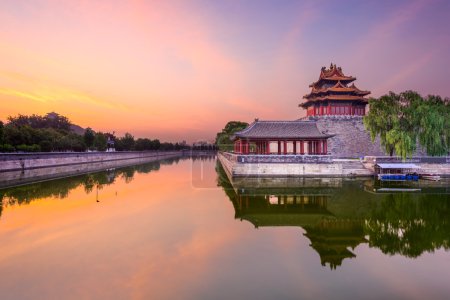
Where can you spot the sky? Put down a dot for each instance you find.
(180, 70)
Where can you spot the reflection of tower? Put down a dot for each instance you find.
(302, 203)
(281, 209)
(331, 238)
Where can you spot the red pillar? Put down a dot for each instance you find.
(295, 147)
(279, 147)
(302, 149)
(325, 147)
(285, 147)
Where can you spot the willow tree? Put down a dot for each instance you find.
(434, 125)
(402, 121)
(382, 120)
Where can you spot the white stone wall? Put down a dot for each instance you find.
(39, 174)
(30, 161)
(343, 167)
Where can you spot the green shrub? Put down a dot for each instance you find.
(6, 148)
(28, 148)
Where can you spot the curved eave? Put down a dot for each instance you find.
(336, 98)
(326, 92)
(324, 136)
(346, 79)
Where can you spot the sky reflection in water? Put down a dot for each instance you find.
(178, 229)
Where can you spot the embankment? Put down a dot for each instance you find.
(22, 168)
(291, 166)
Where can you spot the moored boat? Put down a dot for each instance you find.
(432, 177)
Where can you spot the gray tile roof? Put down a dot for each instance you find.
(281, 129)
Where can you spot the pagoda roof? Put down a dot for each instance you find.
(338, 87)
(332, 74)
(334, 98)
(281, 129)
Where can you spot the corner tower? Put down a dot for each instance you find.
(332, 95)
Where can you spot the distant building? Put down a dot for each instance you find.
(110, 140)
(203, 145)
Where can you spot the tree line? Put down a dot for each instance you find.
(54, 132)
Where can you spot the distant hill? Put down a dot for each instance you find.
(77, 129)
(73, 127)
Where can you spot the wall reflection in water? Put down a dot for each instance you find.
(339, 214)
(60, 188)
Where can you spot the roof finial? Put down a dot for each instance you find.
(256, 119)
(331, 66)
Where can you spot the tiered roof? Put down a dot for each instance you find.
(333, 85)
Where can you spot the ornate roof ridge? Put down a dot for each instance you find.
(333, 73)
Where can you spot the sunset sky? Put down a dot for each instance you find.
(179, 70)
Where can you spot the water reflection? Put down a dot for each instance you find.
(60, 188)
(337, 214)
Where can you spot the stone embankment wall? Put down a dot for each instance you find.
(351, 138)
(24, 161)
(314, 166)
(57, 165)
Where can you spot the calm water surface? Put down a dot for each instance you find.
(179, 230)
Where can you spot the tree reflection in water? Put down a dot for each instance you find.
(60, 188)
(338, 214)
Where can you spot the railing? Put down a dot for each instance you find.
(275, 158)
(51, 155)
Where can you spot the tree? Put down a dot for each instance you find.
(51, 120)
(1, 132)
(156, 144)
(127, 142)
(89, 137)
(402, 121)
(100, 141)
(434, 125)
(143, 144)
(223, 141)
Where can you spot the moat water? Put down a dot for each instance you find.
(179, 229)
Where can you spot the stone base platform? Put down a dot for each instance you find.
(291, 166)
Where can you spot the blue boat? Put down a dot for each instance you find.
(397, 171)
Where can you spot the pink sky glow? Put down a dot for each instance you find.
(180, 70)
